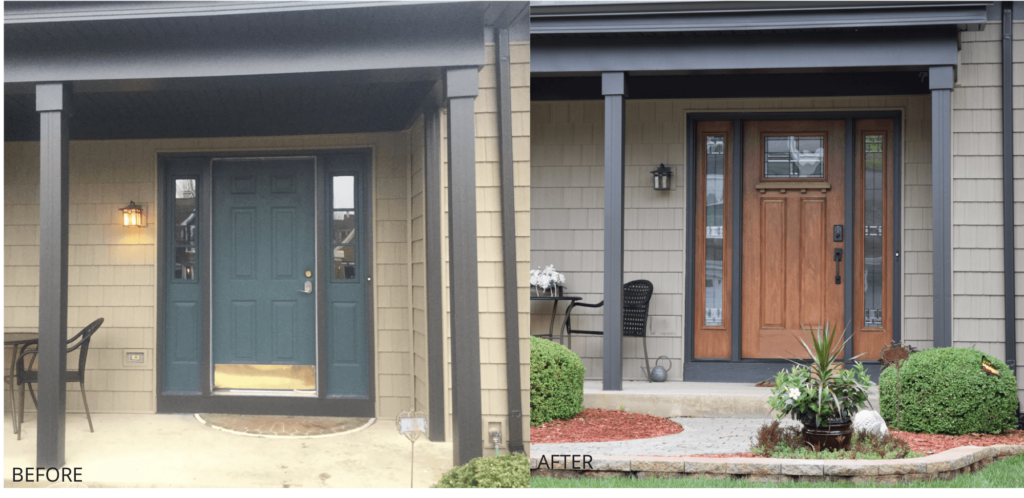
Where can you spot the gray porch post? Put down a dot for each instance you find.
(613, 86)
(53, 104)
(461, 87)
(940, 81)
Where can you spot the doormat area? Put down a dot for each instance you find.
(284, 426)
(595, 425)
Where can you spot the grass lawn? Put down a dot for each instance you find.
(1005, 473)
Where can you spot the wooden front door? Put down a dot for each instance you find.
(793, 200)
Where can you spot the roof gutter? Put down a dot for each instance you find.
(606, 18)
(47, 12)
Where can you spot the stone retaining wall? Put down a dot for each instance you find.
(945, 465)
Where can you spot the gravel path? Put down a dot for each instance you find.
(701, 436)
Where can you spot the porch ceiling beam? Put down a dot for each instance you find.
(461, 89)
(613, 86)
(781, 51)
(53, 102)
(940, 81)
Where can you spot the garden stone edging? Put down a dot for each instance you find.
(945, 465)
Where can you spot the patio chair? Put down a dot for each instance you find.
(26, 376)
(636, 300)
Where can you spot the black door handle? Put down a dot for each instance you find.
(838, 258)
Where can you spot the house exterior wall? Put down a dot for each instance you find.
(493, 378)
(977, 168)
(567, 195)
(112, 269)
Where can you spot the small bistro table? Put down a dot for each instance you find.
(18, 346)
(554, 311)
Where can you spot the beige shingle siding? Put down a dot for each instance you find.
(1018, 200)
(978, 314)
(567, 216)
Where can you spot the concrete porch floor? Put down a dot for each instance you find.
(171, 450)
(687, 399)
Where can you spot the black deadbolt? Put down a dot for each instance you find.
(837, 233)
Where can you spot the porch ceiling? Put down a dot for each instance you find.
(228, 107)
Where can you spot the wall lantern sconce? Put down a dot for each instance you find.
(662, 178)
(133, 215)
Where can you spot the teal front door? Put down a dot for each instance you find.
(264, 274)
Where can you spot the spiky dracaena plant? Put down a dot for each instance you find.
(822, 387)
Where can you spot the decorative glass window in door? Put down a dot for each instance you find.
(714, 223)
(794, 157)
(874, 195)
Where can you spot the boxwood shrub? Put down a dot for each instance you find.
(945, 391)
(506, 471)
(556, 382)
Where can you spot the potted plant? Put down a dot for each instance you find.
(546, 280)
(821, 394)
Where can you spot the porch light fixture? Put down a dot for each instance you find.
(132, 215)
(662, 178)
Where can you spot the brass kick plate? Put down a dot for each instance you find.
(248, 376)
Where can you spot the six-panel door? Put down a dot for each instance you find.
(264, 307)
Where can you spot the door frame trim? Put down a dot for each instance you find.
(257, 404)
(736, 368)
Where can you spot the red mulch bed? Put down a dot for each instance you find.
(594, 425)
(937, 443)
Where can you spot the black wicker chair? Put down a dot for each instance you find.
(636, 297)
(26, 376)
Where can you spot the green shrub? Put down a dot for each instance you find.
(556, 382)
(506, 471)
(945, 391)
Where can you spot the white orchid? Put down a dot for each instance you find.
(546, 278)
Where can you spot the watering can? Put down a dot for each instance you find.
(660, 373)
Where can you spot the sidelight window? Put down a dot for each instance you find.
(186, 222)
(343, 227)
(714, 212)
(874, 195)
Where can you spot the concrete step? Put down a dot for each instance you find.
(688, 399)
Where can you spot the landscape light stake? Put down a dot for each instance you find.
(411, 424)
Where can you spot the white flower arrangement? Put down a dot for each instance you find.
(546, 279)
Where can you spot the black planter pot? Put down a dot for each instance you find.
(833, 434)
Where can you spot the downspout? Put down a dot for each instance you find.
(508, 244)
(1009, 245)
